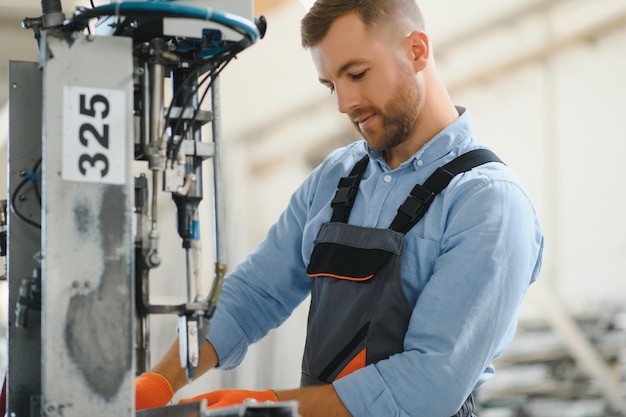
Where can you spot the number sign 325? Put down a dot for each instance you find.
(94, 135)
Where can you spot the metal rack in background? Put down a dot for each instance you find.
(540, 376)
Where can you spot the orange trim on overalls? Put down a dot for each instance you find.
(356, 363)
(340, 277)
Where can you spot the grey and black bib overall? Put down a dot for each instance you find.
(359, 312)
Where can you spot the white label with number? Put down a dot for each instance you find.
(94, 135)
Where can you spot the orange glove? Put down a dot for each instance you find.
(228, 397)
(152, 390)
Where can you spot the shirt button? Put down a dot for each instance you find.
(387, 178)
(420, 162)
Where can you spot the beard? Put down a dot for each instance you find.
(398, 118)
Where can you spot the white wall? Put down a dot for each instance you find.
(558, 122)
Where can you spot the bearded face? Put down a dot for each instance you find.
(372, 75)
(390, 124)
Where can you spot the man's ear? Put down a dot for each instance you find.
(419, 45)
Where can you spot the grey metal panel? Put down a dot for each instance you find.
(87, 245)
(23, 240)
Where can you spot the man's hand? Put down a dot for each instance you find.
(321, 400)
(315, 401)
(152, 390)
(229, 397)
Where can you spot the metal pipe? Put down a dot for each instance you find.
(142, 345)
(218, 199)
(154, 205)
(52, 13)
(157, 74)
(51, 6)
(220, 250)
(189, 274)
(144, 129)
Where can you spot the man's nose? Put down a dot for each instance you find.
(347, 98)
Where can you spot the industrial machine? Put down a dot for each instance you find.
(83, 229)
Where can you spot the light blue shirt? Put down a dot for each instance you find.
(466, 267)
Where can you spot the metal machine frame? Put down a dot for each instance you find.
(82, 230)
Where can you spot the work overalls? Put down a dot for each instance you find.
(359, 312)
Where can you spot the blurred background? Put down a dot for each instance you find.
(545, 83)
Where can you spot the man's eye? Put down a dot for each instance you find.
(332, 89)
(359, 76)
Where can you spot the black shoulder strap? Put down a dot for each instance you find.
(421, 196)
(346, 192)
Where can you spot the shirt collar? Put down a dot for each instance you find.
(459, 131)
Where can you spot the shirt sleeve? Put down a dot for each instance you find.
(263, 290)
(271, 282)
(490, 251)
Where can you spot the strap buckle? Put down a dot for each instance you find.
(417, 203)
(346, 191)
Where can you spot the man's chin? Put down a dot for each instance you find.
(374, 147)
(371, 142)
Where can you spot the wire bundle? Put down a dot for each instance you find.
(211, 59)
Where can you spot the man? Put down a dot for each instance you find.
(406, 315)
